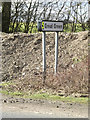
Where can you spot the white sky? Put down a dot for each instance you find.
(46, 0)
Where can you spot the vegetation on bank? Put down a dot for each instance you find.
(72, 76)
(41, 95)
(13, 23)
(47, 96)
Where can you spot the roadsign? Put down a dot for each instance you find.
(51, 26)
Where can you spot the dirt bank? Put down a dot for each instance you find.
(22, 62)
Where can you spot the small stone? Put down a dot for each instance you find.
(30, 99)
(5, 101)
(57, 106)
(61, 94)
(26, 101)
(23, 74)
(17, 100)
(84, 95)
(70, 103)
(11, 101)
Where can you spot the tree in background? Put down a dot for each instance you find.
(6, 13)
(0, 22)
(24, 15)
(88, 21)
(17, 14)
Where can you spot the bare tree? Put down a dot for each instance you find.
(36, 5)
(17, 16)
(79, 15)
(25, 14)
(60, 10)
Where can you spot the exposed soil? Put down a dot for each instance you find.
(22, 62)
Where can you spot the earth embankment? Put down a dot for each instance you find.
(22, 62)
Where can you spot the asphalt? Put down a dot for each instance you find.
(12, 107)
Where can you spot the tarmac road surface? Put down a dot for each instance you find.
(44, 109)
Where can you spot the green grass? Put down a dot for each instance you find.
(76, 60)
(40, 95)
(16, 93)
(59, 98)
(46, 96)
(89, 44)
(6, 83)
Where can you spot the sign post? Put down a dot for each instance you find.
(44, 55)
(50, 26)
(56, 51)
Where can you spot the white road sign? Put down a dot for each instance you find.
(49, 26)
(54, 26)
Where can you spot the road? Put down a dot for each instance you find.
(15, 112)
(44, 109)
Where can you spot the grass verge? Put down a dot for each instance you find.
(46, 97)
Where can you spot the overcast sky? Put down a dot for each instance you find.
(45, 1)
(48, 0)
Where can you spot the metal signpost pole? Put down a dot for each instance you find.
(56, 51)
(53, 26)
(44, 55)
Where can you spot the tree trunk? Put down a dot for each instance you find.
(6, 14)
